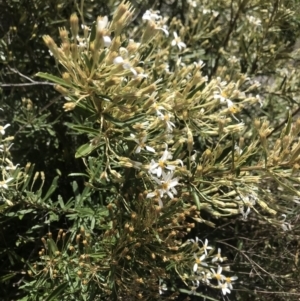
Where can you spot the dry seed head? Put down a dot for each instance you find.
(51, 45)
(66, 49)
(149, 32)
(85, 242)
(74, 25)
(66, 76)
(121, 10)
(79, 274)
(69, 106)
(257, 124)
(61, 90)
(295, 168)
(63, 33)
(208, 153)
(133, 215)
(285, 142)
(241, 142)
(74, 51)
(78, 238)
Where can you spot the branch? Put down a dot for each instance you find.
(26, 84)
(32, 82)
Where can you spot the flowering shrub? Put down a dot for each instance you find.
(178, 145)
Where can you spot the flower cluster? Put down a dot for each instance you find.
(204, 273)
(165, 180)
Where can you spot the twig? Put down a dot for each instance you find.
(26, 84)
(32, 82)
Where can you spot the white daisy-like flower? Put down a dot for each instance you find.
(158, 167)
(206, 277)
(166, 118)
(162, 287)
(177, 42)
(217, 275)
(224, 288)
(156, 195)
(218, 257)
(102, 23)
(199, 64)
(205, 246)
(164, 29)
(229, 280)
(10, 165)
(151, 15)
(3, 184)
(167, 184)
(195, 241)
(126, 65)
(199, 261)
(142, 145)
(3, 128)
(244, 214)
(106, 41)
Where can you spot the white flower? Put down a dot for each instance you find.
(245, 214)
(2, 129)
(218, 257)
(205, 246)
(224, 288)
(177, 41)
(285, 225)
(106, 41)
(199, 64)
(102, 22)
(217, 275)
(192, 3)
(158, 167)
(206, 277)
(142, 145)
(126, 65)
(166, 118)
(164, 29)
(254, 21)
(10, 165)
(194, 241)
(3, 184)
(228, 281)
(199, 261)
(155, 194)
(222, 96)
(162, 287)
(259, 100)
(151, 16)
(167, 184)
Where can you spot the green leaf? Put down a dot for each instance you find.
(52, 247)
(51, 189)
(54, 79)
(7, 277)
(127, 122)
(57, 292)
(85, 150)
(82, 129)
